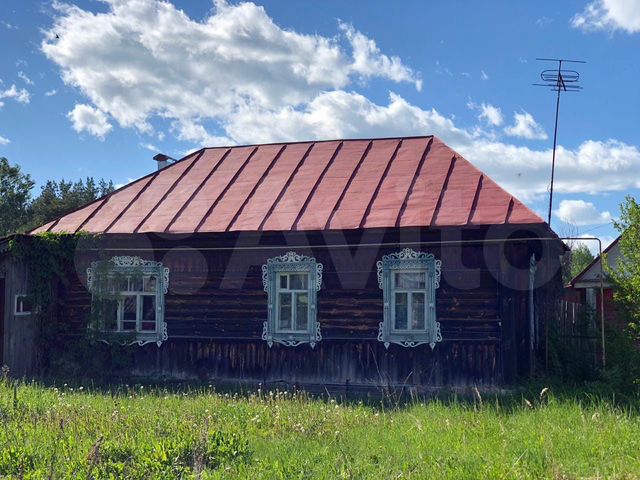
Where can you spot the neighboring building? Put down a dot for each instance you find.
(365, 263)
(585, 287)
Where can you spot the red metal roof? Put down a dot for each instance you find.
(340, 184)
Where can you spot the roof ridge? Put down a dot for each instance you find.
(295, 142)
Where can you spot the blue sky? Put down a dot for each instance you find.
(125, 79)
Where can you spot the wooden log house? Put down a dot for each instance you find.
(363, 263)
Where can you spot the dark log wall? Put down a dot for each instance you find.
(216, 307)
(18, 331)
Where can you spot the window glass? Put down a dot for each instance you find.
(417, 311)
(123, 283)
(150, 284)
(135, 284)
(410, 280)
(401, 310)
(110, 314)
(285, 311)
(302, 311)
(129, 312)
(284, 281)
(298, 281)
(148, 313)
(111, 285)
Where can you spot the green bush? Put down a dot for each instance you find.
(622, 374)
(574, 361)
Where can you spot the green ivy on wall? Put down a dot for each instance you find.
(49, 259)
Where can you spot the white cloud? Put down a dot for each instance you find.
(23, 76)
(609, 15)
(525, 126)
(4, 140)
(18, 94)
(120, 185)
(50, 93)
(490, 114)
(237, 77)
(483, 75)
(341, 114)
(86, 118)
(543, 21)
(593, 167)
(131, 63)
(369, 61)
(8, 26)
(581, 213)
(149, 146)
(192, 131)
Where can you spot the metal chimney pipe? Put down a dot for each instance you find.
(163, 160)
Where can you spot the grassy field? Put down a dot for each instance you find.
(144, 432)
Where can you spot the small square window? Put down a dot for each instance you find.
(22, 305)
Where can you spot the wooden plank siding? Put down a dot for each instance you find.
(19, 331)
(216, 307)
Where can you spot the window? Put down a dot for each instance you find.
(409, 280)
(22, 305)
(292, 282)
(128, 297)
(591, 298)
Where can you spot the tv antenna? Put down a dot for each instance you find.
(558, 80)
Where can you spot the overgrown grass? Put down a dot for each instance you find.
(146, 432)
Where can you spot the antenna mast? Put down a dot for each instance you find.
(558, 81)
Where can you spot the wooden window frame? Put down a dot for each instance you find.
(409, 261)
(22, 313)
(138, 295)
(128, 266)
(294, 293)
(410, 292)
(288, 264)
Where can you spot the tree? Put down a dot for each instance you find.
(626, 272)
(581, 256)
(19, 212)
(58, 198)
(15, 188)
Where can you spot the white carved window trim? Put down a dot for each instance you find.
(20, 305)
(135, 265)
(291, 263)
(408, 260)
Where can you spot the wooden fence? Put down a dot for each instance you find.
(578, 328)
